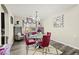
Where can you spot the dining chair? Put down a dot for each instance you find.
(44, 44)
(28, 42)
(49, 33)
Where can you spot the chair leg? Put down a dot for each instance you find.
(43, 51)
(48, 49)
(27, 49)
(35, 51)
(56, 51)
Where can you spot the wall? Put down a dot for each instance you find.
(69, 35)
(9, 27)
(11, 33)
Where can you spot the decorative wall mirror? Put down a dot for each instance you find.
(29, 20)
(59, 21)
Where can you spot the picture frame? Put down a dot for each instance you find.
(11, 18)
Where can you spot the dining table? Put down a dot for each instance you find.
(38, 37)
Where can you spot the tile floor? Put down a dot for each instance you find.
(67, 50)
(19, 48)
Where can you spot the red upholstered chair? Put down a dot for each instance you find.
(48, 33)
(28, 42)
(44, 43)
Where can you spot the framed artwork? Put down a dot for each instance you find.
(17, 22)
(11, 19)
(59, 21)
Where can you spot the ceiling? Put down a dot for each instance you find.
(44, 10)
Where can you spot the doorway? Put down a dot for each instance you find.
(2, 28)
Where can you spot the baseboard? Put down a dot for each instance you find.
(67, 44)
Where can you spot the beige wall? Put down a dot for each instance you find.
(10, 41)
(69, 35)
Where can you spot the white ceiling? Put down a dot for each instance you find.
(44, 10)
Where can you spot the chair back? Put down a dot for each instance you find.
(33, 33)
(26, 40)
(45, 41)
(49, 33)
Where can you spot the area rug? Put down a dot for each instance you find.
(52, 51)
